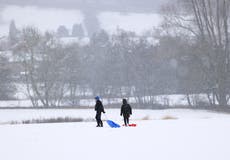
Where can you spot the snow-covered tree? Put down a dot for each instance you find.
(207, 23)
(42, 58)
(78, 31)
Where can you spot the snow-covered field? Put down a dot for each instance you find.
(171, 100)
(190, 135)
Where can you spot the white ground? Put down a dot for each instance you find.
(51, 18)
(172, 100)
(194, 135)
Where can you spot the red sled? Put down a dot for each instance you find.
(131, 125)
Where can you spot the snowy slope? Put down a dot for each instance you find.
(195, 135)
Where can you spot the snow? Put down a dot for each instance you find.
(51, 18)
(186, 135)
(8, 115)
(135, 22)
(171, 100)
(43, 18)
(191, 136)
(167, 100)
(72, 40)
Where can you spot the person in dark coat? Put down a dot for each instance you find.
(99, 108)
(126, 111)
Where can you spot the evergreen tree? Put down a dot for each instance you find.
(13, 33)
(77, 30)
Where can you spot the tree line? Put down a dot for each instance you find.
(188, 54)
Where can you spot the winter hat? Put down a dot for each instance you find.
(97, 97)
(124, 101)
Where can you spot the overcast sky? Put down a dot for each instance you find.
(106, 5)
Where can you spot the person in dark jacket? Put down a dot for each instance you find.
(126, 111)
(99, 108)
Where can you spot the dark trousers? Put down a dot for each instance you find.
(99, 121)
(126, 120)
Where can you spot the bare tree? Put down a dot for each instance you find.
(7, 89)
(207, 21)
(42, 57)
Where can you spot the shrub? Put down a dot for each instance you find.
(53, 120)
(145, 118)
(168, 117)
